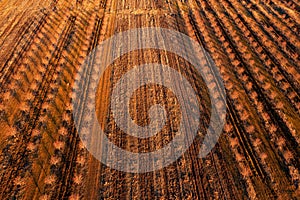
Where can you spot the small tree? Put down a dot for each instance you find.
(77, 179)
(58, 145)
(50, 180)
(288, 156)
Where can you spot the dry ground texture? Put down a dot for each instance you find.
(255, 45)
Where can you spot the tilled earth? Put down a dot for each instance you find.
(255, 46)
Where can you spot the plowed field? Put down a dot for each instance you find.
(255, 46)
